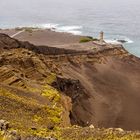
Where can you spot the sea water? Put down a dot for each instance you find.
(119, 19)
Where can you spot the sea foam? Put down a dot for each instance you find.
(70, 29)
(112, 41)
(116, 41)
(73, 29)
(47, 26)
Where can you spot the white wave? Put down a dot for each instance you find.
(129, 40)
(118, 41)
(70, 29)
(42, 26)
(48, 26)
(112, 41)
(76, 30)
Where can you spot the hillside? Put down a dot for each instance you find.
(43, 88)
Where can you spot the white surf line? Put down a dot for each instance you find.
(17, 33)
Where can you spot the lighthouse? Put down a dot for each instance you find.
(101, 37)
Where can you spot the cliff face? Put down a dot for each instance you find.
(105, 89)
(48, 86)
(110, 95)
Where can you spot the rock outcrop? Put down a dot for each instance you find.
(4, 125)
(7, 134)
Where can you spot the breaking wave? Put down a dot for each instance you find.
(76, 30)
(120, 40)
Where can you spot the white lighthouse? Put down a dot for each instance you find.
(101, 37)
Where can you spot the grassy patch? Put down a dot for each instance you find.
(55, 109)
(87, 39)
(22, 112)
(83, 40)
(79, 133)
(55, 114)
(51, 93)
(51, 78)
(37, 118)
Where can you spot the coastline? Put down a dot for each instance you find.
(52, 38)
(38, 36)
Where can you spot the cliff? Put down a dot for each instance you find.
(43, 87)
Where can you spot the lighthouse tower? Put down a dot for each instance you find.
(101, 37)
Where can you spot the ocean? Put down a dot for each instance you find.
(119, 19)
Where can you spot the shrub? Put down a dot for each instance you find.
(83, 40)
(51, 93)
(88, 39)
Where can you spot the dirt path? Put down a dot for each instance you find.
(14, 35)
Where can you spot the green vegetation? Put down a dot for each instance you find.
(51, 78)
(54, 111)
(87, 39)
(55, 114)
(51, 93)
(79, 133)
(83, 40)
(37, 118)
(33, 118)
(29, 114)
(25, 112)
(41, 132)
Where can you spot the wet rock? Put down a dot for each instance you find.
(122, 41)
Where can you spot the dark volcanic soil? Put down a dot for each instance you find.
(104, 86)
